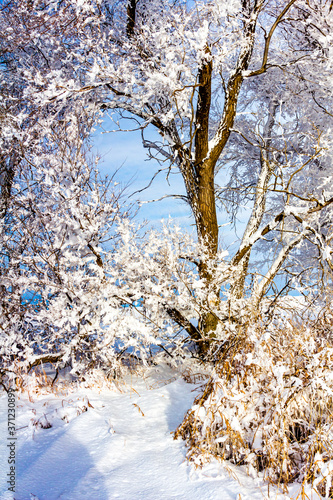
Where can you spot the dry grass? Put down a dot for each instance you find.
(269, 406)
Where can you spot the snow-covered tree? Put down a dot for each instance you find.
(233, 88)
(240, 94)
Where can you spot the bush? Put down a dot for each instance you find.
(268, 405)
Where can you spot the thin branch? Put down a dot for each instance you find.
(268, 41)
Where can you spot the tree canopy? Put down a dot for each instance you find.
(238, 91)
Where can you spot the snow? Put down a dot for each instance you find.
(114, 443)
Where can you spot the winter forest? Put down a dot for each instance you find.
(234, 97)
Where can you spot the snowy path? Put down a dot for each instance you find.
(122, 448)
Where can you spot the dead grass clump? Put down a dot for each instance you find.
(269, 406)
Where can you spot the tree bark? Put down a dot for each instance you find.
(204, 205)
(131, 12)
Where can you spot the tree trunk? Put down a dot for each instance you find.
(204, 205)
(131, 13)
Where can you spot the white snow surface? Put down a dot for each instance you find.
(121, 448)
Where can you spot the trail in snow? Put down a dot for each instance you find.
(121, 448)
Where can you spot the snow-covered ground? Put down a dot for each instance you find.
(105, 443)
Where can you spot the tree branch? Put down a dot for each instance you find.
(262, 287)
(203, 108)
(233, 87)
(178, 318)
(268, 41)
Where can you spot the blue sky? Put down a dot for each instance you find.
(125, 150)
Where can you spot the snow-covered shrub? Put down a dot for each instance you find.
(60, 297)
(269, 405)
(59, 292)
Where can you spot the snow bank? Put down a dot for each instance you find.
(114, 444)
